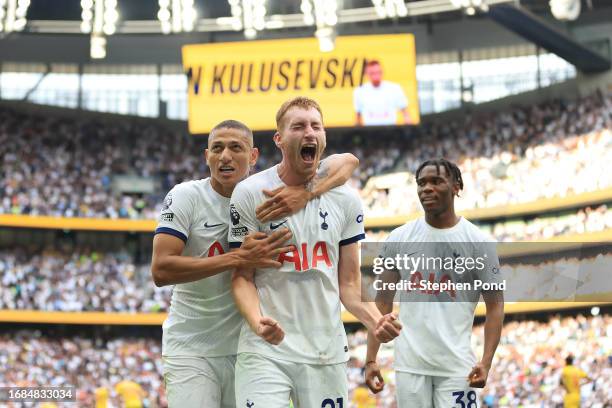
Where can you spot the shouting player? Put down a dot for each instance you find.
(293, 343)
(200, 335)
(435, 365)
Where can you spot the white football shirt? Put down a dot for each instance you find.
(437, 326)
(379, 105)
(303, 295)
(203, 319)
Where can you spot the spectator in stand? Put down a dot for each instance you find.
(66, 167)
(527, 372)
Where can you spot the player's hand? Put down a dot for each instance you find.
(269, 330)
(373, 378)
(478, 376)
(261, 251)
(387, 328)
(283, 202)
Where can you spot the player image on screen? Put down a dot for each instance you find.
(434, 362)
(376, 102)
(293, 344)
(190, 251)
(572, 378)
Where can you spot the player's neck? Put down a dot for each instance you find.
(446, 219)
(290, 177)
(225, 191)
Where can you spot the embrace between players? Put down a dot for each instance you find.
(261, 266)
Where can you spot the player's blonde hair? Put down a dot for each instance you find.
(300, 102)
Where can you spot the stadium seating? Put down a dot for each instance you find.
(66, 167)
(525, 372)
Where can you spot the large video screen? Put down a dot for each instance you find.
(365, 81)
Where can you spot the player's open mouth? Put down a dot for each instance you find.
(226, 169)
(308, 152)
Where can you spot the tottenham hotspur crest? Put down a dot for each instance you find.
(323, 215)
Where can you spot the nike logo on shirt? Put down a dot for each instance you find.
(211, 225)
(275, 226)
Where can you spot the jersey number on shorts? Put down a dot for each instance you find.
(329, 403)
(471, 399)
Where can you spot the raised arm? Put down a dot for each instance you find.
(333, 172)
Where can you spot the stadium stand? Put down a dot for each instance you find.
(526, 372)
(80, 190)
(582, 221)
(66, 167)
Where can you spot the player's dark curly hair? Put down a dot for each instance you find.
(451, 169)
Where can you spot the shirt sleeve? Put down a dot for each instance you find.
(353, 230)
(242, 216)
(491, 272)
(175, 217)
(400, 98)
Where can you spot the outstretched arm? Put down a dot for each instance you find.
(333, 172)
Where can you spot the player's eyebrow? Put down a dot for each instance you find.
(424, 178)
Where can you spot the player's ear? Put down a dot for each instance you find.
(254, 156)
(277, 139)
(206, 157)
(456, 189)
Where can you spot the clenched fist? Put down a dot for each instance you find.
(387, 328)
(269, 330)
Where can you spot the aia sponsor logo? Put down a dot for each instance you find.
(304, 257)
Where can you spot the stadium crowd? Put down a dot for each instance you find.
(526, 370)
(67, 167)
(30, 359)
(565, 152)
(585, 220)
(84, 280)
(77, 280)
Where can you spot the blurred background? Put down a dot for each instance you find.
(94, 110)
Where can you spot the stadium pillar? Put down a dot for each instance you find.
(538, 72)
(80, 91)
(161, 105)
(460, 58)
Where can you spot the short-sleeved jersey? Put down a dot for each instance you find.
(572, 377)
(378, 105)
(437, 325)
(203, 319)
(303, 295)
